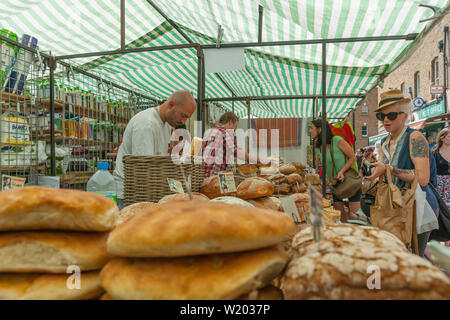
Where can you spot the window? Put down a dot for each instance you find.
(435, 71)
(364, 132)
(365, 109)
(403, 89)
(416, 84)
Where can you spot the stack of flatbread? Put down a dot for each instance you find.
(53, 243)
(197, 250)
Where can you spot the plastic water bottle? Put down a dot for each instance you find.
(102, 182)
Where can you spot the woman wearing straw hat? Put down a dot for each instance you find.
(405, 150)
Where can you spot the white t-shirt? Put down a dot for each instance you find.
(145, 135)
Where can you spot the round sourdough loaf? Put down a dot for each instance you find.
(32, 286)
(187, 228)
(349, 255)
(233, 200)
(287, 168)
(183, 196)
(254, 188)
(37, 208)
(132, 209)
(267, 203)
(211, 188)
(208, 277)
(247, 169)
(294, 178)
(52, 252)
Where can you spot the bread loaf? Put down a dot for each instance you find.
(287, 168)
(32, 286)
(233, 200)
(188, 228)
(311, 178)
(269, 292)
(277, 178)
(253, 188)
(267, 203)
(209, 277)
(52, 252)
(131, 210)
(348, 257)
(183, 196)
(331, 216)
(294, 178)
(248, 169)
(283, 188)
(211, 188)
(299, 165)
(299, 188)
(36, 208)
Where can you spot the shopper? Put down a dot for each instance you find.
(405, 150)
(367, 163)
(149, 132)
(442, 156)
(221, 139)
(344, 158)
(359, 157)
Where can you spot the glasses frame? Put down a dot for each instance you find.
(391, 115)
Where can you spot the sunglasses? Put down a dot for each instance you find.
(390, 115)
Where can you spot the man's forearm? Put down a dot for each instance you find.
(406, 175)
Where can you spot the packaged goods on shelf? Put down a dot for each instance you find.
(7, 54)
(14, 130)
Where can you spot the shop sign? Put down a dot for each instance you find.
(435, 89)
(431, 111)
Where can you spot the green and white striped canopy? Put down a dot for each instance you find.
(79, 26)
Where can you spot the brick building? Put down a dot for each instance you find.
(365, 123)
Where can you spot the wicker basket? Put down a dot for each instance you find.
(146, 177)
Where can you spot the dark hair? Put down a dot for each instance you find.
(227, 117)
(329, 135)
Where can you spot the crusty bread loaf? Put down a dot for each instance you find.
(313, 179)
(254, 188)
(331, 216)
(267, 203)
(277, 178)
(248, 169)
(342, 268)
(299, 188)
(287, 168)
(268, 171)
(233, 200)
(269, 292)
(191, 228)
(36, 208)
(283, 188)
(131, 210)
(33, 286)
(294, 178)
(211, 188)
(299, 165)
(208, 277)
(183, 196)
(52, 252)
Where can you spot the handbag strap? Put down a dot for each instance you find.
(332, 158)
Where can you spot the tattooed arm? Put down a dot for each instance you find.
(420, 157)
(403, 174)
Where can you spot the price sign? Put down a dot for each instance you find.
(10, 182)
(226, 181)
(290, 208)
(175, 185)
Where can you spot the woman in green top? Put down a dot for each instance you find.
(344, 158)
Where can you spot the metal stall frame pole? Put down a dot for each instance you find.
(445, 68)
(248, 124)
(314, 143)
(353, 124)
(324, 119)
(200, 85)
(52, 67)
(122, 24)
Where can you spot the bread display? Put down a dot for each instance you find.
(313, 179)
(35, 208)
(131, 210)
(287, 168)
(32, 286)
(248, 169)
(348, 257)
(266, 202)
(183, 196)
(253, 188)
(294, 178)
(233, 200)
(211, 188)
(283, 188)
(192, 228)
(277, 178)
(209, 277)
(52, 252)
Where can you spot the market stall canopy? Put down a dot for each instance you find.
(70, 27)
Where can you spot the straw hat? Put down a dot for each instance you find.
(390, 97)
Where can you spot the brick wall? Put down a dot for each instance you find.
(368, 118)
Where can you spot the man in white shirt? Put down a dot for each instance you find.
(148, 132)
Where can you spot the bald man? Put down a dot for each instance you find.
(148, 132)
